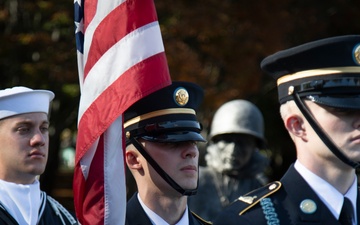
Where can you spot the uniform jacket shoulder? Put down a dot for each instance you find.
(251, 199)
(201, 220)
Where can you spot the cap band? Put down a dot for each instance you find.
(345, 82)
(317, 72)
(158, 113)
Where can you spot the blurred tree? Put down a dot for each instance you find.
(217, 44)
(221, 44)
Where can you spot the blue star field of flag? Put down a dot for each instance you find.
(79, 24)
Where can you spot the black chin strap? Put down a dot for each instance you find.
(161, 172)
(320, 132)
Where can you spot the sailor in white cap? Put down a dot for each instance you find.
(24, 139)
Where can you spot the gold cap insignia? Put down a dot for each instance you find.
(181, 96)
(357, 54)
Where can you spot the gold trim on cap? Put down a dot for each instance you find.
(158, 113)
(317, 72)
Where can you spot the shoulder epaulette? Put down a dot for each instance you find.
(201, 219)
(247, 201)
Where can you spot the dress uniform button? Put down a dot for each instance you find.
(357, 54)
(308, 206)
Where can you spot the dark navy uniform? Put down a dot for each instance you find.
(280, 203)
(51, 212)
(135, 214)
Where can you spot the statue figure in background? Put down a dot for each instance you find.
(234, 164)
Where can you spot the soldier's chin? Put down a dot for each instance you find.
(189, 185)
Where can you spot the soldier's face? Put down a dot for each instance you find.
(343, 128)
(179, 160)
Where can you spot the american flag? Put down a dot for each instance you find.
(121, 59)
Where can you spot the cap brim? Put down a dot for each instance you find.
(343, 102)
(175, 137)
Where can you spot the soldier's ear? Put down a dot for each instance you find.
(132, 159)
(295, 124)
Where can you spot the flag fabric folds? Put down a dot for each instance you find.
(121, 59)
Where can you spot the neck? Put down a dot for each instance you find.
(339, 175)
(169, 207)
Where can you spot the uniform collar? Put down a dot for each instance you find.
(331, 197)
(157, 220)
(21, 201)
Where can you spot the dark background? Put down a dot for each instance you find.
(217, 44)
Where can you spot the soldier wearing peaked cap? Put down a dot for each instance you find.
(24, 139)
(319, 92)
(161, 135)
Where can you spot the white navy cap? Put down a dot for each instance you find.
(20, 100)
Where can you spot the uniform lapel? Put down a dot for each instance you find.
(299, 191)
(358, 206)
(135, 214)
(192, 219)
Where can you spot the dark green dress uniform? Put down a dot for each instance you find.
(51, 212)
(280, 203)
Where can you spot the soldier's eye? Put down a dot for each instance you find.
(341, 111)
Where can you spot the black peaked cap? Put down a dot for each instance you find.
(326, 71)
(167, 115)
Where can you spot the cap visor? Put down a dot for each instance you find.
(175, 137)
(344, 102)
